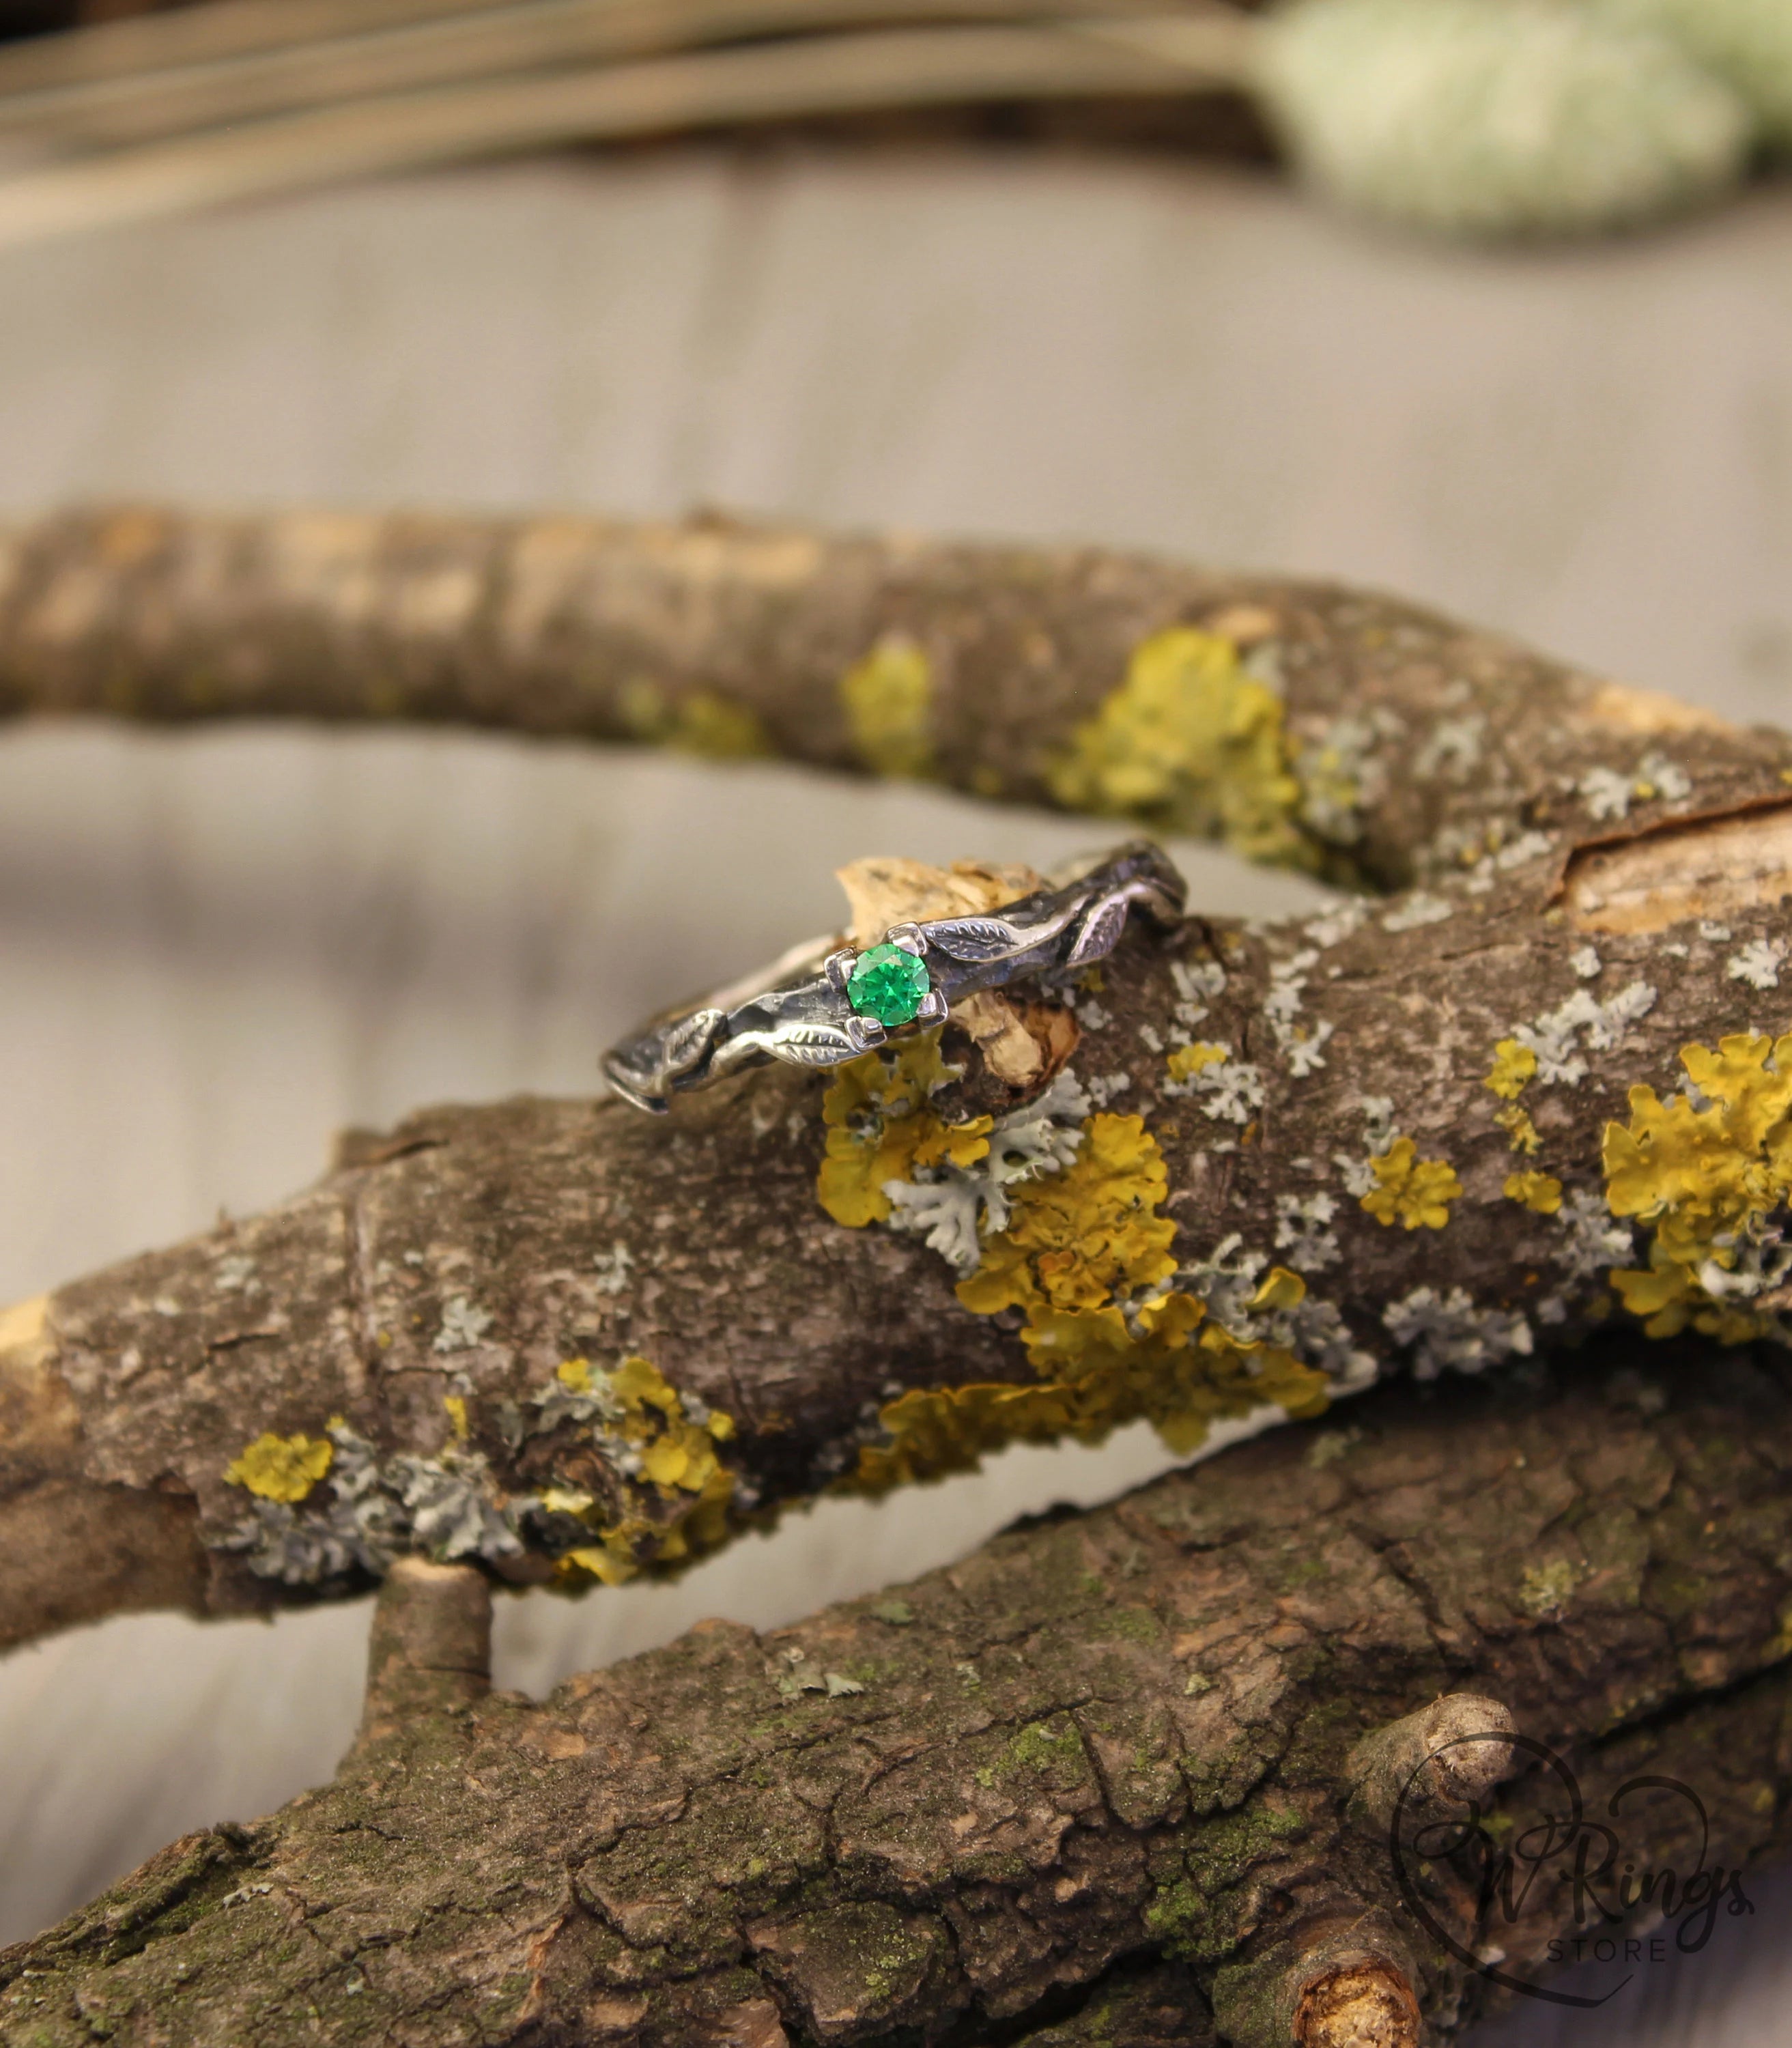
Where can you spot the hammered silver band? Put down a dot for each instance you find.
(800, 1010)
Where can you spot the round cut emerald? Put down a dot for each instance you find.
(888, 985)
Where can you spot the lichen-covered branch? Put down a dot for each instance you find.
(1233, 1174)
(1113, 1775)
(1342, 732)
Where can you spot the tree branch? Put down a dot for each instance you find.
(1131, 1774)
(566, 1340)
(1115, 1772)
(1403, 745)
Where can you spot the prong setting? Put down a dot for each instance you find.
(933, 1009)
(865, 1032)
(838, 967)
(909, 938)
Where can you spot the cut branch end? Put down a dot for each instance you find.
(1342, 1981)
(1367, 2004)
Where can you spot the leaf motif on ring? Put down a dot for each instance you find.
(810, 1045)
(975, 938)
(688, 1040)
(1101, 933)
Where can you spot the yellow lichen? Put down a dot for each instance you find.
(1700, 1179)
(1082, 1236)
(1414, 1191)
(1187, 1060)
(1331, 783)
(1514, 1065)
(455, 1404)
(1518, 1128)
(888, 697)
(1170, 1367)
(1084, 1254)
(1190, 742)
(698, 722)
(1161, 1368)
(880, 1129)
(1540, 1192)
(677, 1458)
(282, 1467)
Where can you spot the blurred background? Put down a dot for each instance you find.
(1012, 320)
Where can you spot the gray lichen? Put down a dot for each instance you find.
(1759, 962)
(1557, 1037)
(1450, 1333)
(1228, 1280)
(1303, 1230)
(464, 1324)
(953, 1207)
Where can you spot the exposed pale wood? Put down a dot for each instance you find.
(1646, 883)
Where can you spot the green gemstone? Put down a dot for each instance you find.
(888, 985)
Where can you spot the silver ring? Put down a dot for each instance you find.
(822, 1003)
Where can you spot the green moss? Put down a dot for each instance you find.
(1176, 1911)
(1039, 1747)
(1134, 1624)
(1546, 1588)
(1219, 1779)
(1051, 1749)
(172, 1893)
(879, 1958)
(1304, 1572)
(1329, 1445)
(1196, 1915)
(1676, 1595)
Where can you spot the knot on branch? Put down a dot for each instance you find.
(1448, 1754)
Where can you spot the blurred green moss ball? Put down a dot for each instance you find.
(1501, 117)
(1746, 43)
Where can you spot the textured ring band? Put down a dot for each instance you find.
(825, 1004)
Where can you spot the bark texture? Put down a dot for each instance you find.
(560, 1338)
(731, 638)
(1132, 1776)
(1093, 1785)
